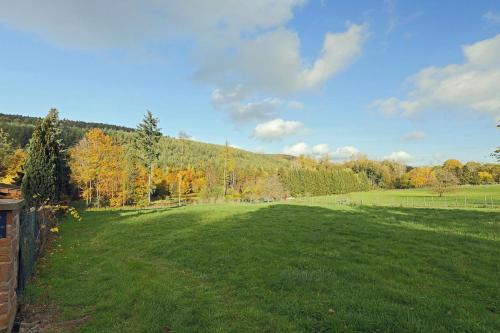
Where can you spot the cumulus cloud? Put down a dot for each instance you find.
(413, 136)
(265, 54)
(256, 110)
(491, 17)
(241, 109)
(321, 149)
(472, 85)
(223, 97)
(277, 129)
(399, 156)
(271, 64)
(340, 154)
(345, 153)
(243, 48)
(297, 149)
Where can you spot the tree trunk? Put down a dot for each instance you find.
(178, 191)
(149, 183)
(224, 180)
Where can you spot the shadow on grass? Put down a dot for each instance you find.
(272, 268)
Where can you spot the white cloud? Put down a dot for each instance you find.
(473, 85)
(345, 153)
(387, 106)
(231, 102)
(297, 149)
(340, 154)
(295, 105)
(277, 129)
(491, 17)
(105, 24)
(339, 50)
(257, 110)
(399, 156)
(222, 97)
(264, 53)
(321, 149)
(413, 136)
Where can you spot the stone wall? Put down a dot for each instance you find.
(10, 192)
(9, 251)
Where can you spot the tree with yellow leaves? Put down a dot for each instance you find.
(13, 172)
(420, 177)
(97, 166)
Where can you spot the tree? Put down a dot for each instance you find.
(46, 171)
(485, 177)
(5, 152)
(146, 142)
(420, 177)
(454, 166)
(228, 166)
(13, 173)
(496, 153)
(443, 181)
(98, 166)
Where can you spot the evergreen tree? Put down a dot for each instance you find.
(5, 151)
(146, 142)
(46, 172)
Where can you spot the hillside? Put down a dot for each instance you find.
(174, 152)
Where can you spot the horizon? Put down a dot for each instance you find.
(388, 79)
(316, 157)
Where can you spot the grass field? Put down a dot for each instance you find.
(484, 196)
(275, 268)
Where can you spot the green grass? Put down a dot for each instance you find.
(484, 196)
(276, 268)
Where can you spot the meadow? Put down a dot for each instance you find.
(281, 267)
(466, 196)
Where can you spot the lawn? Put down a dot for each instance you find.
(275, 268)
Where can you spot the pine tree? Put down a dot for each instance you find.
(146, 142)
(5, 151)
(46, 172)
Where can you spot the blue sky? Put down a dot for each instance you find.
(413, 81)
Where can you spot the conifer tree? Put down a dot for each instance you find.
(5, 151)
(146, 142)
(46, 171)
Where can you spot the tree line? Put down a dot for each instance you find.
(107, 167)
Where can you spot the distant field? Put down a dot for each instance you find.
(484, 196)
(275, 268)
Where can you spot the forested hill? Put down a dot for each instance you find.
(174, 152)
(20, 128)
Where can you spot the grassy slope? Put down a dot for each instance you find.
(470, 196)
(277, 268)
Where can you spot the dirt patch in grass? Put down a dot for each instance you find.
(36, 318)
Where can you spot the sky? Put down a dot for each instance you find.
(416, 82)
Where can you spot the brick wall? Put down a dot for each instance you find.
(9, 251)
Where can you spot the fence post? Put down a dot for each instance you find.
(465, 201)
